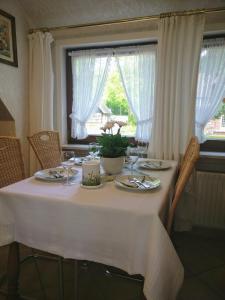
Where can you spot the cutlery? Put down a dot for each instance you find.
(55, 174)
(127, 184)
(153, 164)
(139, 183)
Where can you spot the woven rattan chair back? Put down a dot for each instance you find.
(46, 146)
(11, 161)
(188, 151)
(190, 158)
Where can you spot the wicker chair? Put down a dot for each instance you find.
(11, 171)
(188, 163)
(46, 146)
(188, 151)
(11, 161)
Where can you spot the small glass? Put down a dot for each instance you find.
(67, 164)
(68, 155)
(93, 150)
(142, 150)
(133, 153)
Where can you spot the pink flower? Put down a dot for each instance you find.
(109, 125)
(120, 123)
(103, 128)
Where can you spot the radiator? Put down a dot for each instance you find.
(210, 200)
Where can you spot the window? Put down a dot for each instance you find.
(215, 128)
(223, 122)
(113, 105)
(210, 107)
(110, 84)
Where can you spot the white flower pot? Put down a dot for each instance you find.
(112, 165)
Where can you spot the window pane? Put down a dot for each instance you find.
(114, 106)
(215, 128)
(211, 90)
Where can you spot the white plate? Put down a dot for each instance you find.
(49, 174)
(91, 187)
(78, 160)
(127, 160)
(149, 164)
(124, 181)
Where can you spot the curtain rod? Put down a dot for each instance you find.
(130, 20)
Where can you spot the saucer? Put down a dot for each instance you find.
(91, 187)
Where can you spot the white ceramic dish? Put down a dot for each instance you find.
(91, 187)
(79, 160)
(55, 174)
(149, 164)
(144, 183)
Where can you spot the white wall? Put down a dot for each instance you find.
(14, 81)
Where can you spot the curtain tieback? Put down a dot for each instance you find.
(73, 116)
(144, 121)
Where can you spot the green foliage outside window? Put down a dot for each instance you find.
(221, 112)
(115, 96)
(116, 100)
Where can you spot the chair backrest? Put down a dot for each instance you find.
(188, 163)
(11, 161)
(46, 146)
(193, 141)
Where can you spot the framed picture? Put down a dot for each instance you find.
(8, 50)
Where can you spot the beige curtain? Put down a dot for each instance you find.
(40, 87)
(180, 40)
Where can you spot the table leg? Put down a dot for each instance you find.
(13, 270)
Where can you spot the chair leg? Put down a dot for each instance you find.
(76, 280)
(60, 271)
(39, 275)
(61, 279)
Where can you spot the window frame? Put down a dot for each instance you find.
(211, 145)
(69, 84)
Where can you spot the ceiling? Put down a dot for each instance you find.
(50, 13)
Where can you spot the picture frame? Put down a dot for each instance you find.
(8, 48)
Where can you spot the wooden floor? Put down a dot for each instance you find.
(202, 254)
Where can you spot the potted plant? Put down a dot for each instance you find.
(112, 148)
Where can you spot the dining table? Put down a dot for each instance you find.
(112, 225)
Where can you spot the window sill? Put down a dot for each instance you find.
(211, 162)
(75, 147)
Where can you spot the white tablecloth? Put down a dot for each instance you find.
(109, 225)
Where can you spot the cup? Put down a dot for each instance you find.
(91, 173)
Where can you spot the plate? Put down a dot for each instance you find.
(91, 187)
(55, 174)
(137, 183)
(154, 164)
(78, 160)
(128, 160)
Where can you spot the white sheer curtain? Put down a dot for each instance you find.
(211, 83)
(40, 87)
(179, 46)
(137, 70)
(90, 69)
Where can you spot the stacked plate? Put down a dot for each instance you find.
(79, 160)
(137, 183)
(152, 164)
(55, 174)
